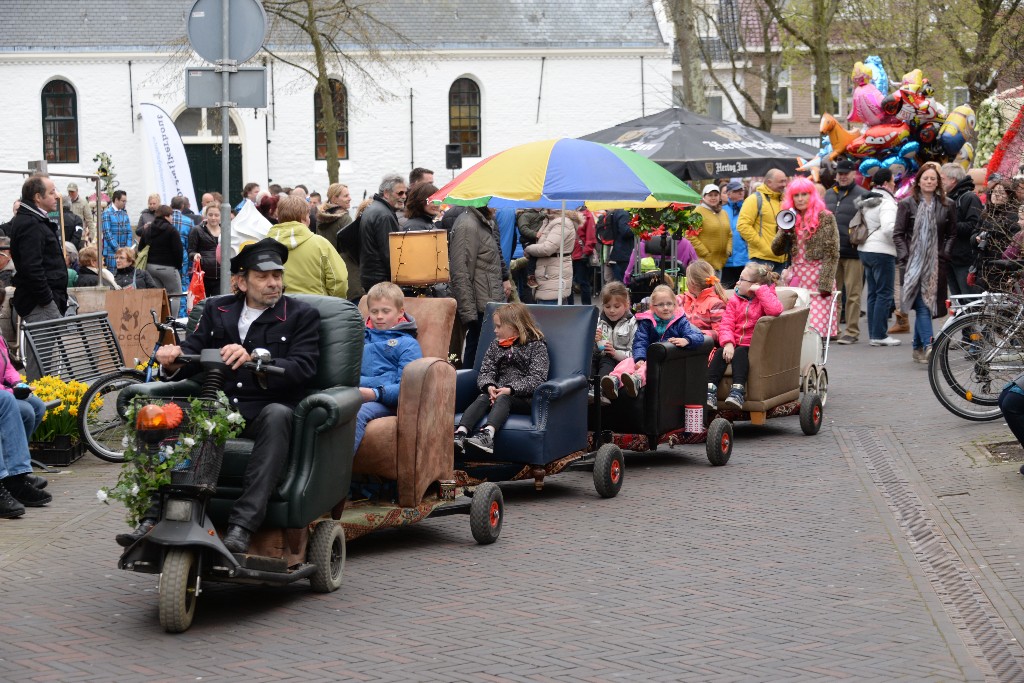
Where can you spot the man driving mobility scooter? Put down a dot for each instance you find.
(276, 492)
(261, 319)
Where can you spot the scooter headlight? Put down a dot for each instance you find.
(178, 510)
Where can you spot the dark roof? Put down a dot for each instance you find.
(144, 25)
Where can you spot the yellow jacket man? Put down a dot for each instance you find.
(757, 224)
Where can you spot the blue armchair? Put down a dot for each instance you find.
(557, 427)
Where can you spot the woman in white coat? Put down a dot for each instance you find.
(557, 235)
(878, 254)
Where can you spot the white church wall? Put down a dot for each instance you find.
(581, 93)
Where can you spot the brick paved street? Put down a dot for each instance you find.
(885, 548)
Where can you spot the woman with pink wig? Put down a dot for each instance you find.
(813, 248)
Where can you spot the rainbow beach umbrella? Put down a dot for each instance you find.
(565, 173)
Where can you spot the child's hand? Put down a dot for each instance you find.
(754, 288)
(609, 350)
(640, 363)
(492, 393)
(368, 395)
(679, 341)
(727, 352)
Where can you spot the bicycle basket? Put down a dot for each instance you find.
(164, 428)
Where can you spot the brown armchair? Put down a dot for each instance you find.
(414, 448)
(774, 360)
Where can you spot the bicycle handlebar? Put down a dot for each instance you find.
(248, 365)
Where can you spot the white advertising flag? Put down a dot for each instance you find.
(167, 154)
(248, 225)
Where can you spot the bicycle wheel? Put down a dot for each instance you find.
(100, 422)
(972, 360)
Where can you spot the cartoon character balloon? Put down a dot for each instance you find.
(837, 135)
(867, 99)
(957, 130)
(879, 77)
(877, 140)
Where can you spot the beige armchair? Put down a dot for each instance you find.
(414, 448)
(774, 360)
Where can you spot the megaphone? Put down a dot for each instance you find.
(786, 219)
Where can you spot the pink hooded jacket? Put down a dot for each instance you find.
(741, 315)
(10, 374)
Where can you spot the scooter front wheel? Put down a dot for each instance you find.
(178, 590)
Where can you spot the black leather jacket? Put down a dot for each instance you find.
(376, 223)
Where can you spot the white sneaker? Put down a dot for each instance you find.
(888, 341)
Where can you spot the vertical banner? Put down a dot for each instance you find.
(167, 154)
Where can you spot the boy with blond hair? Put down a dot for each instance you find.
(389, 344)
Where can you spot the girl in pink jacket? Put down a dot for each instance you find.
(753, 298)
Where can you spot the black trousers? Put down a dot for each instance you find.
(603, 363)
(272, 433)
(1012, 405)
(740, 366)
(497, 414)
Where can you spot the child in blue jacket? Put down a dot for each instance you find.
(664, 322)
(389, 344)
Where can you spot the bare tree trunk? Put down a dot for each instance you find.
(323, 86)
(686, 43)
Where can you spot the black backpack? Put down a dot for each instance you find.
(606, 229)
(348, 241)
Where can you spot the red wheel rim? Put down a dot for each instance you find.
(725, 443)
(817, 414)
(495, 513)
(616, 471)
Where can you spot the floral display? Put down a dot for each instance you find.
(62, 420)
(676, 220)
(148, 467)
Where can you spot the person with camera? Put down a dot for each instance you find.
(812, 243)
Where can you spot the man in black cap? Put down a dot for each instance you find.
(258, 317)
(850, 273)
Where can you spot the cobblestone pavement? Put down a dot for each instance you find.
(885, 548)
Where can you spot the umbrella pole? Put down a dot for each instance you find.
(561, 257)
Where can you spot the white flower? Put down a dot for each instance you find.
(209, 426)
(135, 489)
(101, 496)
(189, 441)
(234, 417)
(168, 451)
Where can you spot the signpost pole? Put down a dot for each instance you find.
(225, 155)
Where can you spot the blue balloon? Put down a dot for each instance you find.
(868, 167)
(880, 78)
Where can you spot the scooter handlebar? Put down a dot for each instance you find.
(265, 367)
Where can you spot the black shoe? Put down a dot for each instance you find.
(482, 441)
(236, 539)
(25, 493)
(9, 507)
(128, 539)
(460, 442)
(37, 481)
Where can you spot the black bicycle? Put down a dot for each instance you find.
(100, 423)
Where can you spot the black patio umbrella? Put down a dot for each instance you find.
(694, 147)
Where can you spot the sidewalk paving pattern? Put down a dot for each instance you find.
(884, 548)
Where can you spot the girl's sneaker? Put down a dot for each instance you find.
(712, 401)
(482, 441)
(632, 384)
(460, 442)
(736, 397)
(610, 387)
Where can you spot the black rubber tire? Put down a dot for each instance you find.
(719, 441)
(811, 414)
(327, 551)
(486, 513)
(609, 470)
(948, 370)
(103, 432)
(178, 590)
(822, 387)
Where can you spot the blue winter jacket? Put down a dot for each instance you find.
(385, 355)
(740, 255)
(647, 333)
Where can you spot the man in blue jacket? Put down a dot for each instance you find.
(389, 344)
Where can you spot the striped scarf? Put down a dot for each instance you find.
(922, 273)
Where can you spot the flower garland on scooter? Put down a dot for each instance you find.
(142, 475)
(678, 220)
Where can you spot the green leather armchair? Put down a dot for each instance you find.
(319, 469)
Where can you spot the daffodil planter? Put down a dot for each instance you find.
(60, 452)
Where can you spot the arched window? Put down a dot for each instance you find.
(60, 123)
(464, 116)
(339, 97)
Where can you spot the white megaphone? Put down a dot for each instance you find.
(786, 219)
